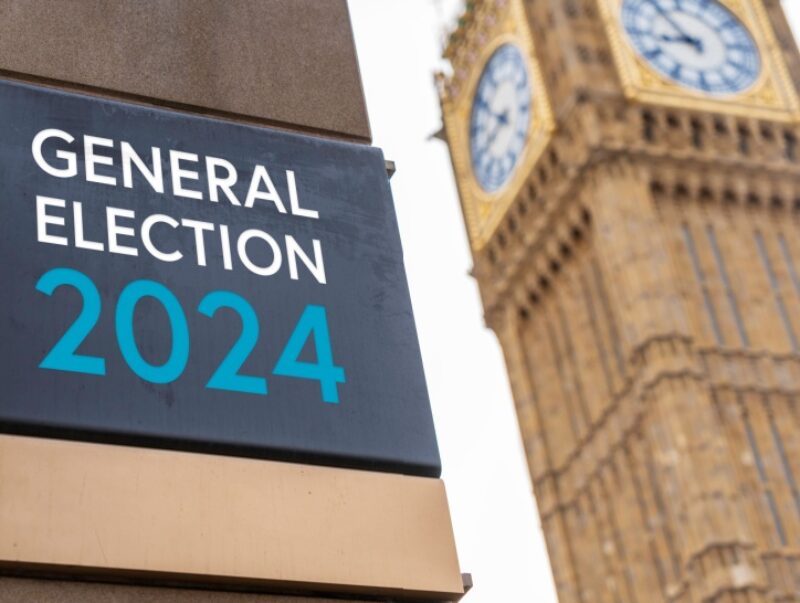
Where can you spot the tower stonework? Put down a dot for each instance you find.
(639, 263)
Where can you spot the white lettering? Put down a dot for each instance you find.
(89, 143)
(276, 252)
(224, 184)
(225, 240)
(43, 219)
(260, 175)
(68, 156)
(147, 225)
(80, 240)
(293, 201)
(294, 251)
(178, 173)
(155, 177)
(115, 230)
(199, 240)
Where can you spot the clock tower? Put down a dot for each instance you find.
(629, 174)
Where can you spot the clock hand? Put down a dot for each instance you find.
(667, 17)
(697, 43)
(682, 38)
(502, 120)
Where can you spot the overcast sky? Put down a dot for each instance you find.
(494, 515)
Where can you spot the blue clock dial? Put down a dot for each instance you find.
(697, 43)
(501, 114)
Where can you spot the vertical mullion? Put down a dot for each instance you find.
(776, 291)
(613, 491)
(647, 532)
(726, 282)
(731, 414)
(562, 378)
(538, 356)
(762, 473)
(787, 256)
(611, 320)
(703, 282)
(575, 370)
(782, 455)
(598, 340)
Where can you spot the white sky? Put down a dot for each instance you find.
(494, 515)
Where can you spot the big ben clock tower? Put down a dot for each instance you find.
(629, 173)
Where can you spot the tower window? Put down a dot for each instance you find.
(648, 126)
(790, 145)
(673, 121)
(571, 9)
(697, 133)
(720, 127)
(744, 140)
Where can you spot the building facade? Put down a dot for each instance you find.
(629, 172)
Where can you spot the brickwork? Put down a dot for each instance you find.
(645, 288)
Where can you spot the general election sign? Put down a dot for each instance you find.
(171, 280)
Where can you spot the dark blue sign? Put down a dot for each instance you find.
(175, 281)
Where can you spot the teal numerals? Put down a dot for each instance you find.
(63, 357)
(313, 323)
(227, 375)
(179, 354)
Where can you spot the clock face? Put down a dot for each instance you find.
(697, 43)
(501, 114)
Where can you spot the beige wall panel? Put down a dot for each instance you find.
(223, 519)
(18, 590)
(287, 62)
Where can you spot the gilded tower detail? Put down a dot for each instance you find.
(629, 172)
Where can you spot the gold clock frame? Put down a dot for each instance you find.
(772, 96)
(483, 210)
